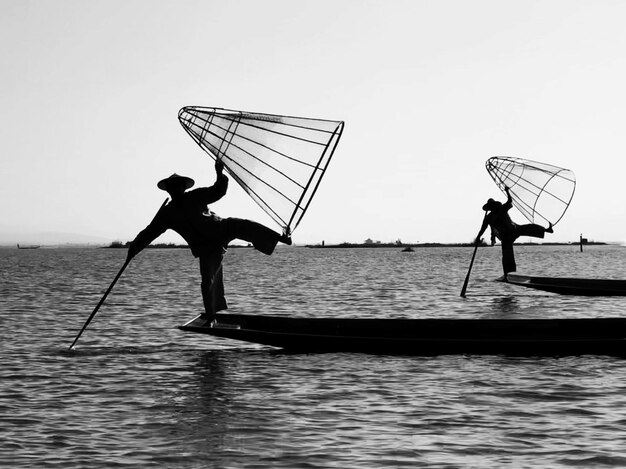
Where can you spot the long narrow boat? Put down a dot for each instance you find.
(521, 337)
(570, 286)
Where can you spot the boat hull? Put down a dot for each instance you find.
(424, 337)
(570, 286)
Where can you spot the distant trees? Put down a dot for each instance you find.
(370, 241)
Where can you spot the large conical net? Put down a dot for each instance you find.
(540, 191)
(278, 160)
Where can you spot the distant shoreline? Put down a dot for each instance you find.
(437, 245)
(119, 245)
(345, 245)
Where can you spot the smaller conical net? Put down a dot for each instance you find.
(540, 191)
(278, 160)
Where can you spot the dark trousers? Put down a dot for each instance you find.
(211, 270)
(212, 284)
(508, 256)
(261, 237)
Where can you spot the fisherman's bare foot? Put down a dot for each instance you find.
(209, 318)
(549, 229)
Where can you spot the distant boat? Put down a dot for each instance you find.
(28, 246)
(408, 249)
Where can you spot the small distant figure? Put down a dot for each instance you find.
(503, 228)
(206, 233)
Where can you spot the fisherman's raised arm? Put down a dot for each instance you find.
(509, 201)
(208, 195)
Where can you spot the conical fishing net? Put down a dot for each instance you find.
(278, 160)
(540, 191)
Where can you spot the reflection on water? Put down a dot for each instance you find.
(505, 306)
(137, 392)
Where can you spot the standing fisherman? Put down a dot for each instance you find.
(507, 231)
(206, 234)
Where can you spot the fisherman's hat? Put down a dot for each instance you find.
(164, 184)
(492, 204)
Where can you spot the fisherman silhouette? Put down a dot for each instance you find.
(206, 234)
(503, 228)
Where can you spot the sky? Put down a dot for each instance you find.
(428, 90)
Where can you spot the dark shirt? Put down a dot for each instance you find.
(500, 221)
(189, 217)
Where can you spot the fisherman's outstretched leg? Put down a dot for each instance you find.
(262, 238)
(212, 284)
(534, 230)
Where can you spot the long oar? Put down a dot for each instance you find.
(476, 243)
(93, 313)
(119, 274)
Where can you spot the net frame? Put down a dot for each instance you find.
(231, 136)
(528, 192)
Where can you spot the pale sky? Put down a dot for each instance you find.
(429, 90)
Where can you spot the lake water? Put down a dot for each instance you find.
(137, 392)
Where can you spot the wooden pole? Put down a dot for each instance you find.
(93, 313)
(119, 274)
(467, 277)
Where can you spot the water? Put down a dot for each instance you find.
(137, 392)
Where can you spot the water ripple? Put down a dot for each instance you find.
(136, 392)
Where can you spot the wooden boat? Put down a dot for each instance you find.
(521, 337)
(570, 286)
(30, 246)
